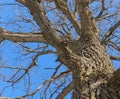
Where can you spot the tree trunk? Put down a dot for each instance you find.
(91, 70)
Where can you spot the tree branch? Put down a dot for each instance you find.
(44, 83)
(39, 16)
(88, 25)
(110, 32)
(107, 16)
(21, 37)
(65, 91)
(115, 57)
(61, 5)
(102, 10)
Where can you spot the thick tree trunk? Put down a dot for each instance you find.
(91, 77)
(91, 70)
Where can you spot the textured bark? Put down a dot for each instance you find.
(93, 74)
(91, 70)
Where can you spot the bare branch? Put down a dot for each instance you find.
(65, 91)
(110, 32)
(88, 25)
(43, 84)
(102, 9)
(61, 5)
(115, 57)
(56, 70)
(10, 67)
(32, 64)
(39, 15)
(107, 16)
(21, 37)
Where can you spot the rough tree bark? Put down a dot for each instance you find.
(93, 75)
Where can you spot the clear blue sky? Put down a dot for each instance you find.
(11, 54)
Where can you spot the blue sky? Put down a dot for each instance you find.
(14, 55)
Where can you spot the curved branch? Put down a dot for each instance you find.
(102, 10)
(39, 16)
(65, 91)
(21, 37)
(110, 32)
